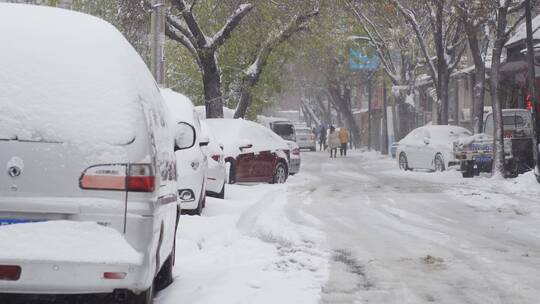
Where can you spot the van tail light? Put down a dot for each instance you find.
(296, 151)
(216, 157)
(114, 275)
(122, 177)
(10, 272)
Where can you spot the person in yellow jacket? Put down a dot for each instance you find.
(344, 140)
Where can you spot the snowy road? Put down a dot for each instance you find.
(357, 230)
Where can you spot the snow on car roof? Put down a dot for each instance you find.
(68, 77)
(233, 133)
(180, 107)
(446, 132)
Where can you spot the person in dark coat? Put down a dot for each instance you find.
(322, 138)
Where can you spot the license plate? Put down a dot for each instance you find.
(6, 222)
(483, 159)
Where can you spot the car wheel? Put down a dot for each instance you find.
(221, 195)
(146, 297)
(467, 169)
(439, 163)
(280, 174)
(232, 173)
(403, 163)
(164, 277)
(537, 177)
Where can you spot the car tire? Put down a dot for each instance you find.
(467, 169)
(145, 297)
(164, 277)
(537, 177)
(403, 162)
(221, 194)
(232, 173)
(439, 163)
(280, 174)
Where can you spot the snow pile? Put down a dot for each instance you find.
(246, 250)
(68, 77)
(234, 133)
(65, 241)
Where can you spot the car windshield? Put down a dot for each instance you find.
(509, 121)
(284, 130)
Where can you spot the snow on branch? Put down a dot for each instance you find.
(411, 19)
(176, 23)
(234, 20)
(378, 42)
(192, 24)
(173, 33)
(298, 23)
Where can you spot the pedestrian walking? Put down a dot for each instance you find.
(322, 138)
(343, 140)
(333, 142)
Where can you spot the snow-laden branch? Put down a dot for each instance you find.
(192, 24)
(411, 19)
(234, 20)
(253, 72)
(174, 34)
(177, 24)
(378, 42)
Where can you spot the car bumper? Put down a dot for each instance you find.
(294, 165)
(53, 277)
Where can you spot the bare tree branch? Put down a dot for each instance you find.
(193, 25)
(178, 36)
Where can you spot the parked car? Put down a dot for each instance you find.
(216, 173)
(83, 138)
(476, 152)
(295, 159)
(281, 126)
(429, 147)
(393, 149)
(253, 153)
(305, 138)
(191, 163)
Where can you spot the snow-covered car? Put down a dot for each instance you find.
(253, 153)
(305, 138)
(87, 192)
(429, 147)
(191, 163)
(216, 173)
(294, 160)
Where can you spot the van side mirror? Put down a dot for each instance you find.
(426, 140)
(184, 136)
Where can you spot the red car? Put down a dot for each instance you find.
(255, 153)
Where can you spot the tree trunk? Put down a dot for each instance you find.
(479, 78)
(211, 84)
(498, 140)
(245, 96)
(444, 83)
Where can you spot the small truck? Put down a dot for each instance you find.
(475, 153)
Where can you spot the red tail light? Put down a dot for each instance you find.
(10, 272)
(114, 275)
(137, 177)
(296, 151)
(216, 157)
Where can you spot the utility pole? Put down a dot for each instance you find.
(157, 65)
(369, 111)
(384, 147)
(532, 80)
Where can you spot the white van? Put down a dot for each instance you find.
(191, 163)
(87, 160)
